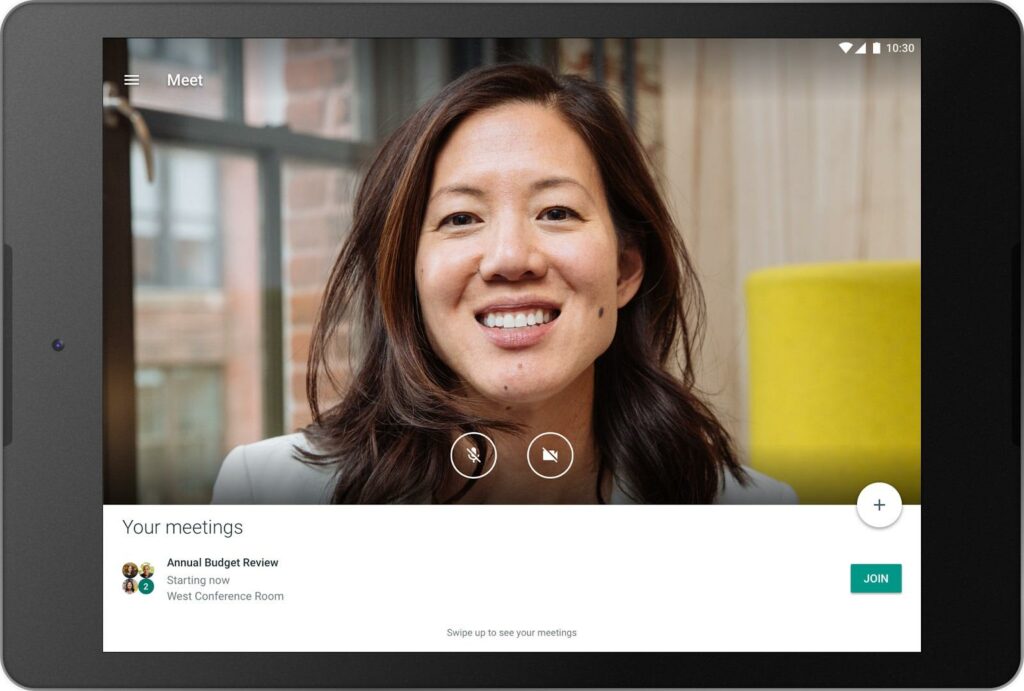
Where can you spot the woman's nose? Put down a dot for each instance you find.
(512, 252)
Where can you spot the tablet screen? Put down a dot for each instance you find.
(518, 345)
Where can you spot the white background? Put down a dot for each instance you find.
(626, 578)
(7, 5)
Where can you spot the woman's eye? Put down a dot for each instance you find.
(558, 213)
(459, 220)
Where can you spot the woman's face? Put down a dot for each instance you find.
(518, 269)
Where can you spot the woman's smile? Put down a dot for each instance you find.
(514, 324)
(517, 330)
(499, 319)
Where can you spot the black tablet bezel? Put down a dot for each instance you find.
(52, 233)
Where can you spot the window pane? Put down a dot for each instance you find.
(145, 201)
(177, 220)
(198, 318)
(193, 183)
(153, 59)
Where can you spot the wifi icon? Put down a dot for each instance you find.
(845, 46)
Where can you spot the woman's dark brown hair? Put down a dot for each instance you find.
(390, 435)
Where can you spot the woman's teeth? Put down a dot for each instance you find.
(517, 320)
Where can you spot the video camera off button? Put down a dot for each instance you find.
(473, 455)
(550, 455)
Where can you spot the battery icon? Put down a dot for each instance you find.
(876, 48)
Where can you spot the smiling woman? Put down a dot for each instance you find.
(513, 272)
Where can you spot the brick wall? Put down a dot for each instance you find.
(319, 78)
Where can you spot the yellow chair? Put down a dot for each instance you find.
(835, 377)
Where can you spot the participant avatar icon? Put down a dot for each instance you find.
(130, 571)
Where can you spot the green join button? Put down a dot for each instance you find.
(876, 578)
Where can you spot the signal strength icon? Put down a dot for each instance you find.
(845, 46)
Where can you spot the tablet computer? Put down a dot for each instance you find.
(511, 344)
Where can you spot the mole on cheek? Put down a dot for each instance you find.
(600, 312)
(520, 365)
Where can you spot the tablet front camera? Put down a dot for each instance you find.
(57, 345)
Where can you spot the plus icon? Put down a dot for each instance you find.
(879, 505)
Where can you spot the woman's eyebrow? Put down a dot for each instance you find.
(457, 189)
(547, 183)
(537, 186)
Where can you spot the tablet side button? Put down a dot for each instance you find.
(8, 370)
(1015, 321)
